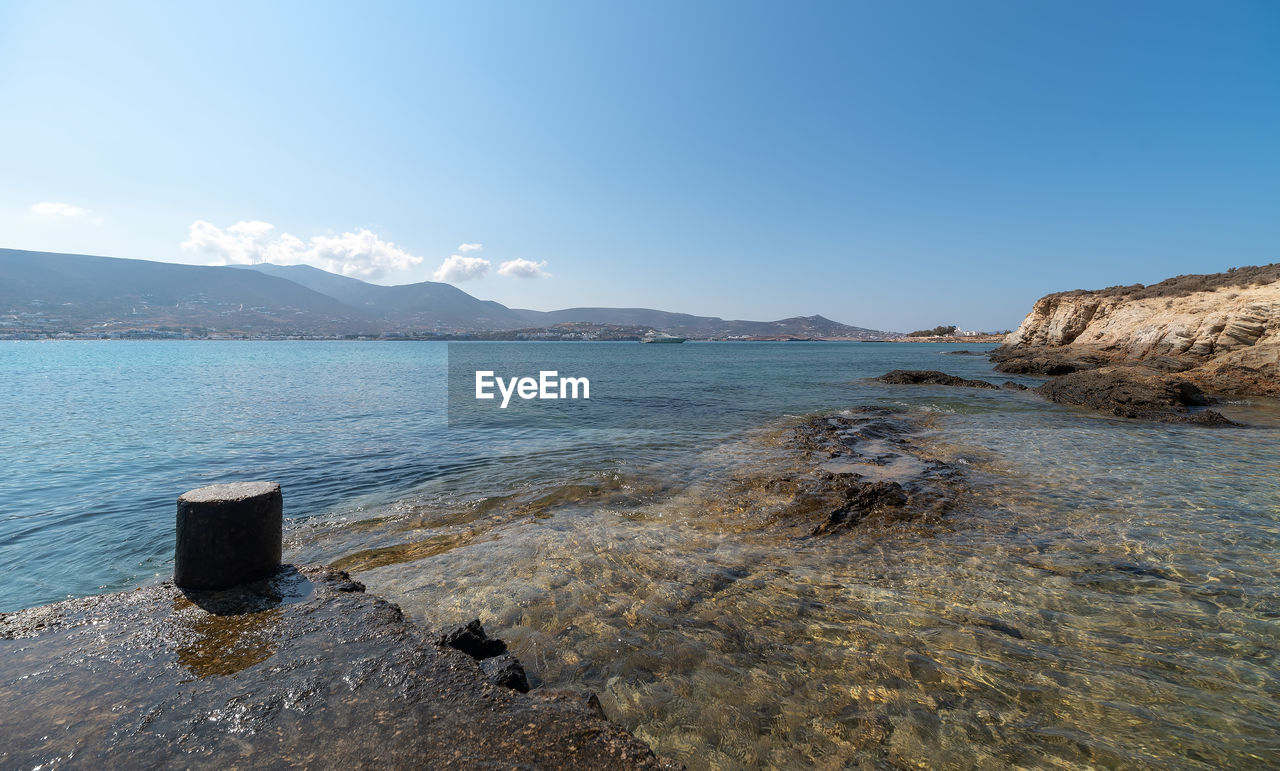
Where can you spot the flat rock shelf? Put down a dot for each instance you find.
(302, 669)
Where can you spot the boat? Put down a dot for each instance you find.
(658, 337)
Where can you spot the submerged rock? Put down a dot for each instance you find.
(863, 499)
(1132, 393)
(854, 469)
(299, 670)
(930, 377)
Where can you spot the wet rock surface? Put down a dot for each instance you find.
(859, 468)
(930, 377)
(1129, 392)
(299, 670)
(470, 638)
(507, 671)
(1044, 363)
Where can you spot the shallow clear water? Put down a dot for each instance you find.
(1108, 593)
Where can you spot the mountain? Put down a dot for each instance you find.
(429, 302)
(44, 293)
(426, 305)
(686, 325)
(53, 292)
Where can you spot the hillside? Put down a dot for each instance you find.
(44, 293)
(425, 305)
(429, 304)
(686, 325)
(1220, 330)
(68, 293)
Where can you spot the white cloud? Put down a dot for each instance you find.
(524, 269)
(58, 209)
(459, 268)
(464, 248)
(54, 209)
(362, 254)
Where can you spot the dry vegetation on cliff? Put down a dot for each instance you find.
(1188, 284)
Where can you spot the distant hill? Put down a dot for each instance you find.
(47, 293)
(70, 292)
(428, 304)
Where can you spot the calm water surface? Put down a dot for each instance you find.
(1108, 594)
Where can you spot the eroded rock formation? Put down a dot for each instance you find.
(1220, 331)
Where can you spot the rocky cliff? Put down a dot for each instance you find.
(1221, 331)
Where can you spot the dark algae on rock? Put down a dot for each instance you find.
(860, 467)
(470, 638)
(1128, 392)
(301, 670)
(1037, 363)
(931, 377)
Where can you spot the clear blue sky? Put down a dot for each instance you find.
(886, 164)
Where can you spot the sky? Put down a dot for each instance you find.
(893, 165)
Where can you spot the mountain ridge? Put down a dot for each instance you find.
(53, 293)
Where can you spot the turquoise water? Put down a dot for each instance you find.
(98, 439)
(1107, 595)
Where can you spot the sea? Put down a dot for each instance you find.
(1106, 593)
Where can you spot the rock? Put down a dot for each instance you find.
(1222, 331)
(930, 377)
(506, 670)
(1229, 378)
(471, 640)
(1042, 363)
(996, 625)
(583, 699)
(1009, 385)
(861, 468)
(923, 669)
(300, 670)
(861, 500)
(1132, 393)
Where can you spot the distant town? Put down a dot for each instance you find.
(38, 326)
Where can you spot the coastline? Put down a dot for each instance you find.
(740, 604)
(298, 669)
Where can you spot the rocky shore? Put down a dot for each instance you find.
(1220, 332)
(1146, 352)
(1129, 392)
(299, 670)
(1126, 392)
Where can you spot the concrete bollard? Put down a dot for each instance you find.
(228, 534)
